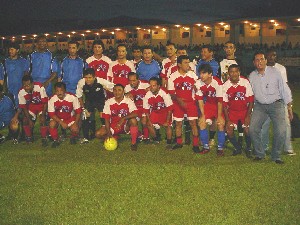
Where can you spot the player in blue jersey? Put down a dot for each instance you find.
(148, 67)
(207, 54)
(43, 66)
(72, 68)
(7, 111)
(15, 67)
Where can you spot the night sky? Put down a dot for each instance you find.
(14, 13)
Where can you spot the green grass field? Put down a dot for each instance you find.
(85, 184)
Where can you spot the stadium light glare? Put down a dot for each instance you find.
(34, 35)
(164, 29)
(59, 33)
(73, 32)
(103, 30)
(272, 21)
(138, 28)
(117, 29)
(198, 24)
(177, 25)
(23, 36)
(298, 19)
(88, 31)
(221, 23)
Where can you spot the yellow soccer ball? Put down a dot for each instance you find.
(110, 144)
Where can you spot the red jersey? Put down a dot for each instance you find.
(138, 93)
(38, 96)
(118, 73)
(173, 68)
(210, 93)
(65, 108)
(100, 66)
(183, 85)
(166, 64)
(237, 96)
(114, 110)
(156, 103)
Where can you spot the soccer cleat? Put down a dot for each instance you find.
(73, 140)
(55, 144)
(2, 139)
(44, 142)
(84, 141)
(248, 153)
(196, 149)
(204, 151)
(236, 152)
(156, 140)
(15, 141)
(291, 152)
(28, 140)
(146, 141)
(220, 152)
(177, 146)
(134, 147)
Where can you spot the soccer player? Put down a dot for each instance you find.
(99, 62)
(64, 110)
(136, 91)
(15, 67)
(168, 62)
(33, 102)
(93, 89)
(181, 87)
(209, 96)
(119, 69)
(238, 103)
(43, 66)
(120, 117)
(137, 55)
(158, 110)
(207, 54)
(72, 68)
(7, 112)
(148, 67)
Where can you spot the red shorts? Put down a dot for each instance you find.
(190, 111)
(159, 117)
(115, 130)
(140, 112)
(35, 110)
(235, 116)
(210, 111)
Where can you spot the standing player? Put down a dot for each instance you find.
(238, 103)
(210, 100)
(93, 89)
(64, 110)
(119, 69)
(72, 68)
(15, 67)
(168, 62)
(181, 87)
(33, 102)
(136, 91)
(148, 67)
(99, 62)
(43, 66)
(158, 110)
(137, 55)
(120, 117)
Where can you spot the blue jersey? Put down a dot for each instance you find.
(42, 64)
(7, 111)
(71, 72)
(214, 65)
(146, 71)
(14, 70)
(1, 72)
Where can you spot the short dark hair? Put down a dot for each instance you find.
(157, 79)
(181, 58)
(89, 71)
(74, 42)
(170, 43)
(136, 47)
(209, 48)
(14, 45)
(181, 47)
(258, 53)
(119, 85)
(121, 45)
(205, 68)
(229, 42)
(133, 74)
(272, 49)
(98, 42)
(147, 47)
(27, 78)
(234, 66)
(60, 85)
(41, 36)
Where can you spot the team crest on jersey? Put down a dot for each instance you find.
(119, 113)
(211, 94)
(139, 97)
(121, 73)
(184, 86)
(158, 106)
(63, 108)
(239, 96)
(36, 100)
(101, 67)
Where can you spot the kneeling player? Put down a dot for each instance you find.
(238, 104)
(158, 108)
(120, 117)
(64, 110)
(210, 89)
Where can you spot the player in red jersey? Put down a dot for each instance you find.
(181, 88)
(64, 110)
(120, 117)
(238, 103)
(209, 95)
(168, 62)
(136, 91)
(158, 110)
(99, 62)
(119, 69)
(33, 104)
